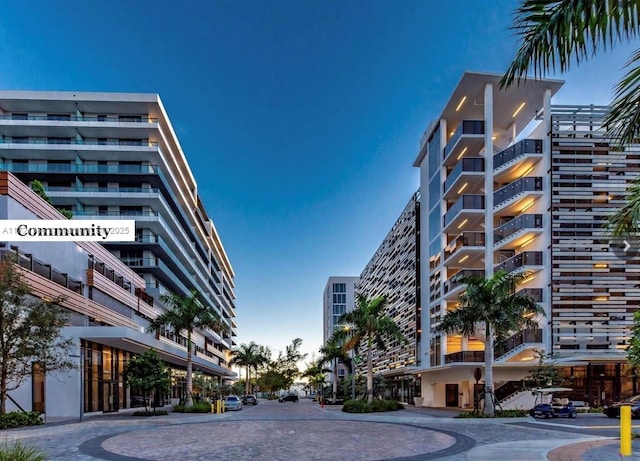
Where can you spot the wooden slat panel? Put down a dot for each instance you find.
(42, 287)
(114, 290)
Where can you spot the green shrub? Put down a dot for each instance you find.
(499, 414)
(360, 406)
(16, 451)
(18, 418)
(198, 408)
(178, 408)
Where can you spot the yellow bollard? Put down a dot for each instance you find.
(213, 408)
(625, 430)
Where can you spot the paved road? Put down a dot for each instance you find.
(298, 431)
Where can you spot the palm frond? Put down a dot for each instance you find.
(625, 221)
(622, 122)
(553, 33)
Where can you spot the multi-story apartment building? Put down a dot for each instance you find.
(511, 182)
(338, 298)
(394, 272)
(117, 156)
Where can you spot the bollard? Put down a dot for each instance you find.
(625, 430)
(213, 408)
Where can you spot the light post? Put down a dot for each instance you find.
(353, 374)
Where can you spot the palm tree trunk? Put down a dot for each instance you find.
(489, 407)
(335, 380)
(369, 374)
(246, 385)
(189, 400)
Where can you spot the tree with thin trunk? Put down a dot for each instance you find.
(315, 374)
(332, 351)
(187, 314)
(369, 326)
(148, 373)
(555, 34)
(30, 332)
(493, 304)
(248, 356)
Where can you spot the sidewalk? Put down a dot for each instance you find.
(596, 450)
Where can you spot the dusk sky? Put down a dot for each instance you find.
(300, 119)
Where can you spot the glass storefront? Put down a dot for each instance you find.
(599, 384)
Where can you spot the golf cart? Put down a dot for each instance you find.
(553, 402)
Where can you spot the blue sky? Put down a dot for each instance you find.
(300, 119)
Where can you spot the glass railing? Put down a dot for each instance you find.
(466, 239)
(78, 168)
(94, 118)
(464, 356)
(525, 221)
(465, 202)
(146, 190)
(458, 278)
(465, 165)
(465, 127)
(518, 339)
(534, 293)
(516, 187)
(524, 147)
(114, 213)
(526, 258)
(119, 142)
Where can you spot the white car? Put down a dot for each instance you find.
(232, 402)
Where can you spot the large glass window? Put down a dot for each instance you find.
(435, 226)
(435, 190)
(434, 153)
(339, 298)
(339, 287)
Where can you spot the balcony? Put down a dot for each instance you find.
(464, 357)
(466, 250)
(467, 211)
(501, 350)
(515, 196)
(516, 160)
(80, 142)
(467, 176)
(525, 261)
(95, 118)
(78, 168)
(534, 293)
(468, 139)
(517, 232)
(453, 286)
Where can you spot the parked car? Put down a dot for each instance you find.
(312, 395)
(288, 398)
(613, 410)
(552, 402)
(249, 400)
(232, 402)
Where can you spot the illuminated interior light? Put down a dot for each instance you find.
(601, 298)
(527, 279)
(529, 170)
(494, 137)
(527, 242)
(461, 103)
(463, 259)
(462, 153)
(464, 186)
(463, 223)
(601, 266)
(526, 359)
(518, 109)
(527, 206)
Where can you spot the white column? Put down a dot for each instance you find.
(488, 178)
(546, 235)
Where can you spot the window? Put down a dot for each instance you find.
(19, 116)
(341, 372)
(339, 298)
(339, 287)
(339, 309)
(61, 117)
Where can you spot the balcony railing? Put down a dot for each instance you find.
(147, 190)
(526, 258)
(533, 293)
(114, 213)
(465, 202)
(77, 168)
(525, 221)
(457, 279)
(466, 239)
(119, 142)
(522, 337)
(499, 350)
(94, 118)
(466, 165)
(464, 128)
(524, 147)
(516, 187)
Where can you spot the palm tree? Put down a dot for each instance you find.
(187, 313)
(368, 324)
(333, 351)
(248, 356)
(494, 304)
(553, 33)
(315, 374)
